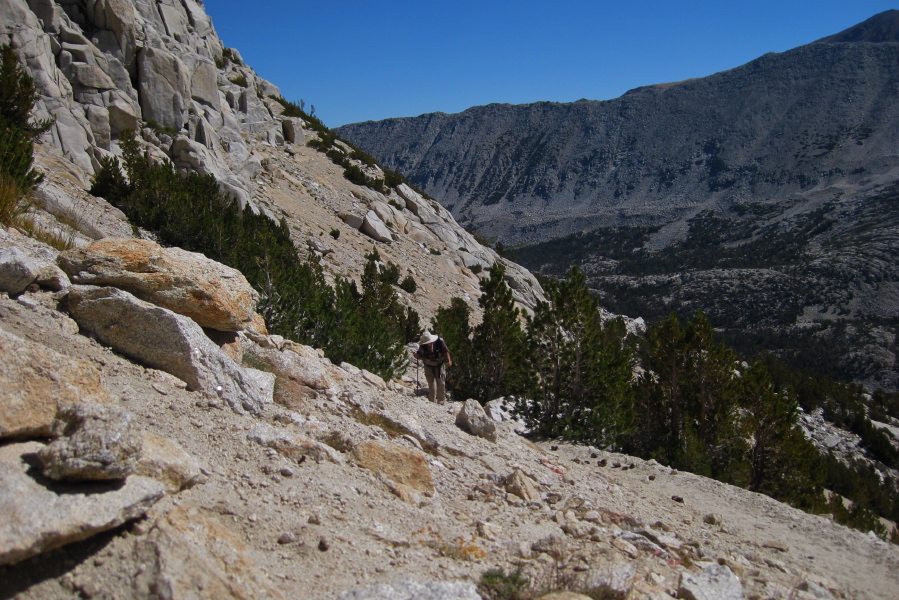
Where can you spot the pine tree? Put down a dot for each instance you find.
(710, 391)
(781, 461)
(18, 96)
(582, 370)
(369, 326)
(498, 341)
(17, 135)
(660, 394)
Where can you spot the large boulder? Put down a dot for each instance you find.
(170, 342)
(38, 518)
(34, 380)
(474, 420)
(17, 270)
(300, 364)
(188, 283)
(373, 227)
(292, 129)
(93, 442)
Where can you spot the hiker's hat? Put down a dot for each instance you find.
(427, 338)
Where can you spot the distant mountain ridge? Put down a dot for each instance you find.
(734, 193)
(817, 117)
(881, 28)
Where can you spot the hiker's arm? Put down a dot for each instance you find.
(449, 358)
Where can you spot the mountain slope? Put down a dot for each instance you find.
(300, 495)
(702, 178)
(815, 118)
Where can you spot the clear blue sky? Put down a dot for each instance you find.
(362, 60)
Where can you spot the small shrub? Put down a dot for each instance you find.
(335, 233)
(496, 584)
(363, 157)
(390, 273)
(408, 284)
(392, 179)
(61, 238)
(435, 251)
(395, 204)
(161, 129)
(13, 202)
(355, 175)
(476, 268)
(338, 157)
(240, 80)
(229, 55)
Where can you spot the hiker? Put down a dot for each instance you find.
(432, 351)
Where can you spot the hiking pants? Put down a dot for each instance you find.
(436, 377)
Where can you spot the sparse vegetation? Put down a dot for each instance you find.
(367, 328)
(696, 406)
(158, 129)
(408, 284)
(240, 80)
(497, 584)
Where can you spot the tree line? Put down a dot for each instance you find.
(674, 394)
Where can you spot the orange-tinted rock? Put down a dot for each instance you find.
(34, 379)
(408, 469)
(212, 294)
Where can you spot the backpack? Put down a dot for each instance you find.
(433, 354)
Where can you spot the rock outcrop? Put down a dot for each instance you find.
(161, 70)
(94, 442)
(188, 283)
(37, 518)
(35, 380)
(164, 340)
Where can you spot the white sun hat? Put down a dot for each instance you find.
(426, 338)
